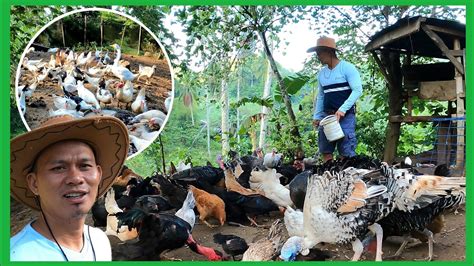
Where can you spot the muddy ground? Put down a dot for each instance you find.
(37, 110)
(450, 244)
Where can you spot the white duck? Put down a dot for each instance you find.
(87, 95)
(139, 143)
(141, 130)
(64, 103)
(125, 93)
(122, 73)
(149, 115)
(139, 105)
(104, 95)
(168, 101)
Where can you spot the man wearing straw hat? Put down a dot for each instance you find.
(60, 169)
(339, 87)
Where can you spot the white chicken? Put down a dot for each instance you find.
(139, 105)
(187, 210)
(269, 183)
(146, 71)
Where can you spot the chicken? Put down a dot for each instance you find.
(232, 245)
(146, 71)
(231, 182)
(294, 222)
(272, 160)
(187, 210)
(269, 183)
(113, 227)
(139, 105)
(157, 233)
(125, 176)
(265, 249)
(200, 177)
(209, 205)
(175, 193)
(426, 219)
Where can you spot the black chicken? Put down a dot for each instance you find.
(232, 245)
(175, 193)
(199, 176)
(157, 233)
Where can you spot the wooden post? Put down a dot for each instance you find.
(391, 62)
(85, 30)
(460, 112)
(62, 33)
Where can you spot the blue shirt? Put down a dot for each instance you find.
(29, 245)
(338, 89)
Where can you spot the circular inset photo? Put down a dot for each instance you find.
(97, 62)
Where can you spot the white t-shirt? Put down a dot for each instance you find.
(29, 245)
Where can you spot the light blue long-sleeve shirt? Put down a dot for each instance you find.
(343, 72)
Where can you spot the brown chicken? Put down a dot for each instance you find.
(232, 185)
(125, 176)
(209, 206)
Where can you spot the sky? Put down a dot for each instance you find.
(293, 55)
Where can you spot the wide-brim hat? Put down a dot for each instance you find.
(323, 42)
(107, 136)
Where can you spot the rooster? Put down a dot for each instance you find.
(157, 233)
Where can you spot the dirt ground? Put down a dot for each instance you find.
(160, 84)
(450, 244)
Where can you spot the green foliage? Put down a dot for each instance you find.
(267, 102)
(292, 84)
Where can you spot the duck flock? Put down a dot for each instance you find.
(356, 201)
(90, 83)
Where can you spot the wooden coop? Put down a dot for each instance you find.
(394, 49)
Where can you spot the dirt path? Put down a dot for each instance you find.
(450, 243)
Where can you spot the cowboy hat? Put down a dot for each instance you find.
(325, 42)
(107, 136)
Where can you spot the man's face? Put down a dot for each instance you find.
(324, 55)
(66, 179)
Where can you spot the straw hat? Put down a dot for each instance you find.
(107, 136)
(324, 41)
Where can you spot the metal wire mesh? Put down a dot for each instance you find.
(449, 145)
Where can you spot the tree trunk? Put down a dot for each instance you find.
(265, 110)
(238, 112)
(101, 31)
(391, 61)
(85, 30)
(208, 121)
(225, 118)
(123, 35)
(62, 33)
(139, 40)
(291, 115)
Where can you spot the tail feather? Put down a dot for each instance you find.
(110, 204)
(131, 218)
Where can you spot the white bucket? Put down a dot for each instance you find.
(332, 128)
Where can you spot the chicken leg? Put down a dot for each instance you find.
(378, 231)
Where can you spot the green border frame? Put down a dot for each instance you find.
(5, 112)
